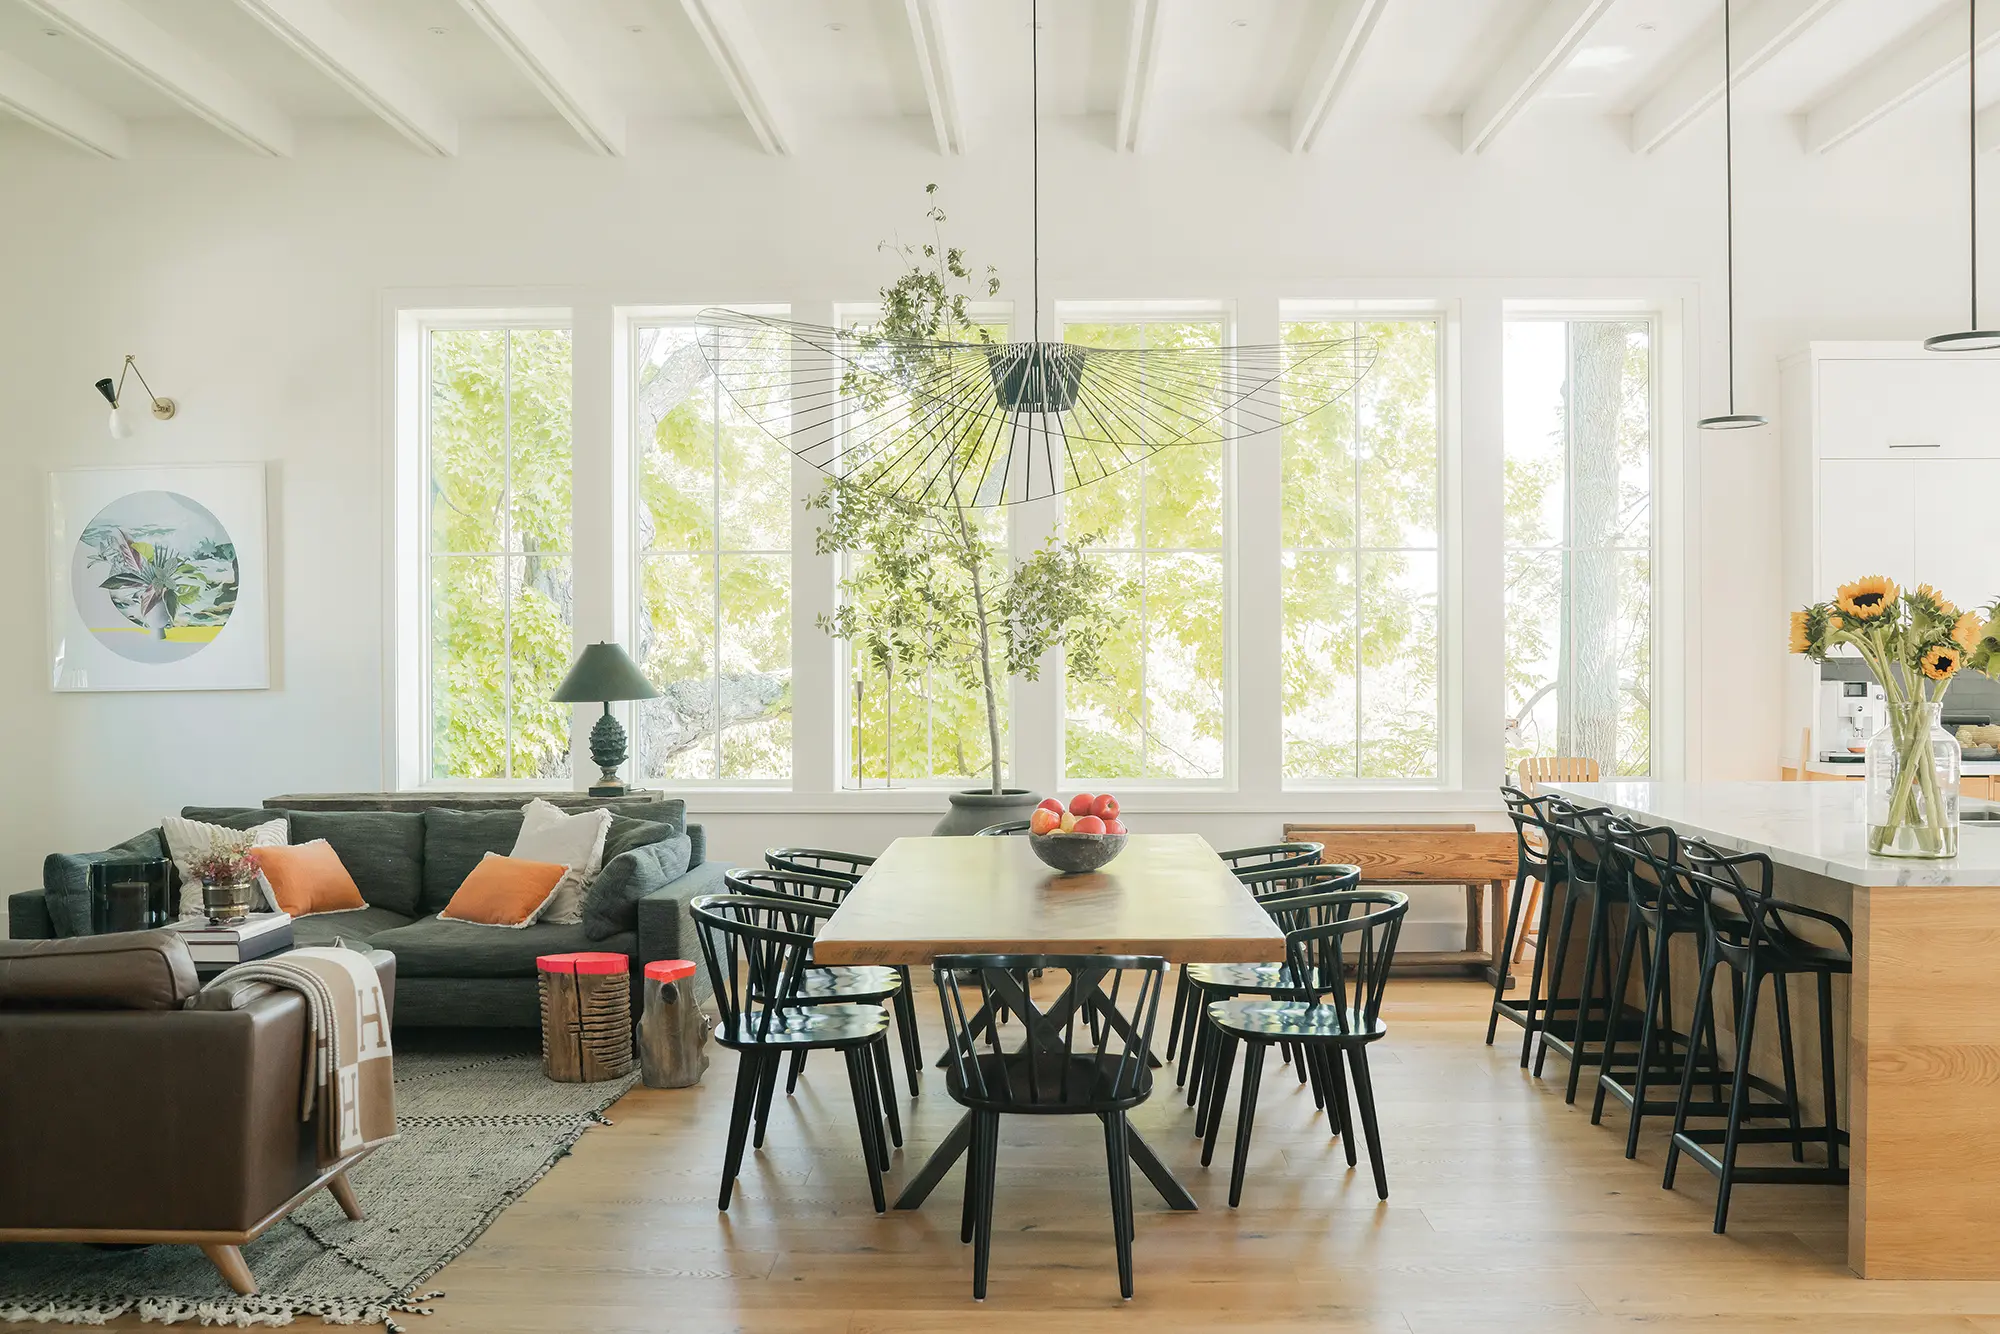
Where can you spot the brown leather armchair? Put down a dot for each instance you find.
(126, 1117)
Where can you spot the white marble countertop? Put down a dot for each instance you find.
(1816, 827)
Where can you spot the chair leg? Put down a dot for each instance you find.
(768, 1083)
(1336, 1092)
(1118, 1166)
(1213, 1096)
(1702, 1025)
(235, 1271)
(1506, 950)
(343, 1195)
(1246, 1112)
(1553, 977)
(1336, 1109)
(1658, 1002)
(987, 1129)
(885, 1076)
(797, 1067)
(913, 1048)
(749, 1077)
(868, 1118)
(1180, 1011)
(1364, 1094)
(1197, 1029)
(1827, 1090)
(1534, 902)
(1739, 1094)
(1621, 978)
(1779, 984)
(1600, 926)
(970, 1211)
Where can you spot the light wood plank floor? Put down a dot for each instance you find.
(1507, 1211)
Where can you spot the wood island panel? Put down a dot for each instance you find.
(1165, 894)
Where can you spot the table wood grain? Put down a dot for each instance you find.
(1165, 894)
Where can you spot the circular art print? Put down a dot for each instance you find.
(154, 576)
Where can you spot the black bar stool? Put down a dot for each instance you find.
(1752, 931)
(1591, 874)
(1535, 861)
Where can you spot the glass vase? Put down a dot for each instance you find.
(228, 901)
(1912, 768)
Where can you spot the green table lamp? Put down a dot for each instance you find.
(603, 673)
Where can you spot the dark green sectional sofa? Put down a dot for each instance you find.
(408, 863)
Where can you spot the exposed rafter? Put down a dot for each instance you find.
(1353, 21)
(532, 42)
(1762, 30)
(732, 43)
(48, 105)
(122, 34)
(934, 62)
(1549, 39)
(1142, 51)
(1933, 52)
(358, 63)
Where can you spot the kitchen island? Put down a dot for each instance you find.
(1922, 1105)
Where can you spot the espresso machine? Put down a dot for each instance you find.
(1849, 713)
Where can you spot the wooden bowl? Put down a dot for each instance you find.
(1077, 854)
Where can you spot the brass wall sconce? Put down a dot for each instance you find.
(163, 408)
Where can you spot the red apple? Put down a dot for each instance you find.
(1105, 807)
(1049, 804)
(1044, 821)
(1087, 824)
(1081, 803)
(1068, 822)
(1114, 827)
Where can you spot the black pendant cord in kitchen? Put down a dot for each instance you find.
(1732, 420)
(1972, 338)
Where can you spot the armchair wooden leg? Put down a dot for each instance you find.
(229, 1259)
(343, 1193)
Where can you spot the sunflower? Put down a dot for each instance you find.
(1801, 636)
(1867, 599)
(1939, 661)
(1942, 607)
(1967, 630)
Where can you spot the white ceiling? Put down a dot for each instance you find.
(810, 68)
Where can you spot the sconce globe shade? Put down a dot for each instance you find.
(121, 429)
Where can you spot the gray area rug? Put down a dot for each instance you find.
(477, 1131)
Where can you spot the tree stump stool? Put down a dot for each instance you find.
(672, 1028)
(586, 1016)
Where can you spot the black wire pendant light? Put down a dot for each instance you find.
(1973, 338)
(973, 423)
(1731, 420)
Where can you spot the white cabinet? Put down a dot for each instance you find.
(1935, 404)
(1957, 526)
(1867, 511)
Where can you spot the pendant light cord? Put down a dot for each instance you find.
(1972, 139)
(1035, 143)
(1729, 194)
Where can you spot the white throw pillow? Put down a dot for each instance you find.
(189, 839)
(576, 841)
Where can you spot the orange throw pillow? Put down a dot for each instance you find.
(307, 878)
(504, 891)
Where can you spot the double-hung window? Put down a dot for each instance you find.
(1580, 445)
(497, 596)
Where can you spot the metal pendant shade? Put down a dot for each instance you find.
(1731, 420)
(968, 423)
(1973, 338)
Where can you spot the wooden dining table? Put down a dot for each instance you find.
(1165, 895)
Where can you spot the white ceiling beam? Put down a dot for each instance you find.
(732, 44)
(117, 31)
(1759, 32)
(1933, 52)
(1142, 53)
(359, 64)
(1353, 21)
(934, 62)
(69, 116)
(528, 37)
(1542, 48)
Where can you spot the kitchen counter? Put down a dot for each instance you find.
(1921, 1012)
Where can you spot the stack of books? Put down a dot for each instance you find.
(258, 935)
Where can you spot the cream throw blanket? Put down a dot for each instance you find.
(349, 1077)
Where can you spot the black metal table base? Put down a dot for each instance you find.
(946, 1156)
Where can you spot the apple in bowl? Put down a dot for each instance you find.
(1077, 836)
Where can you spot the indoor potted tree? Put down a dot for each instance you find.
(929, 591)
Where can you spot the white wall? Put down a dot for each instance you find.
(253, 290)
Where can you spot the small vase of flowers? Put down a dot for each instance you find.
(228, 882)
(1913, 642)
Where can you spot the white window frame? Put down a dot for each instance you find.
(1447, 552)
(1101, 311)
(409, 539)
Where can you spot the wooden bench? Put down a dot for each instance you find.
(1432, 854)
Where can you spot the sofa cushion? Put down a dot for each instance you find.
(355, 925)
(430, 947)
(612, 905)
(627, 834)
(125, 970)
(382, 850)
(66, 878)
(454, 843)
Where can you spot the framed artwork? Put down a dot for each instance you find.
(159, 579)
